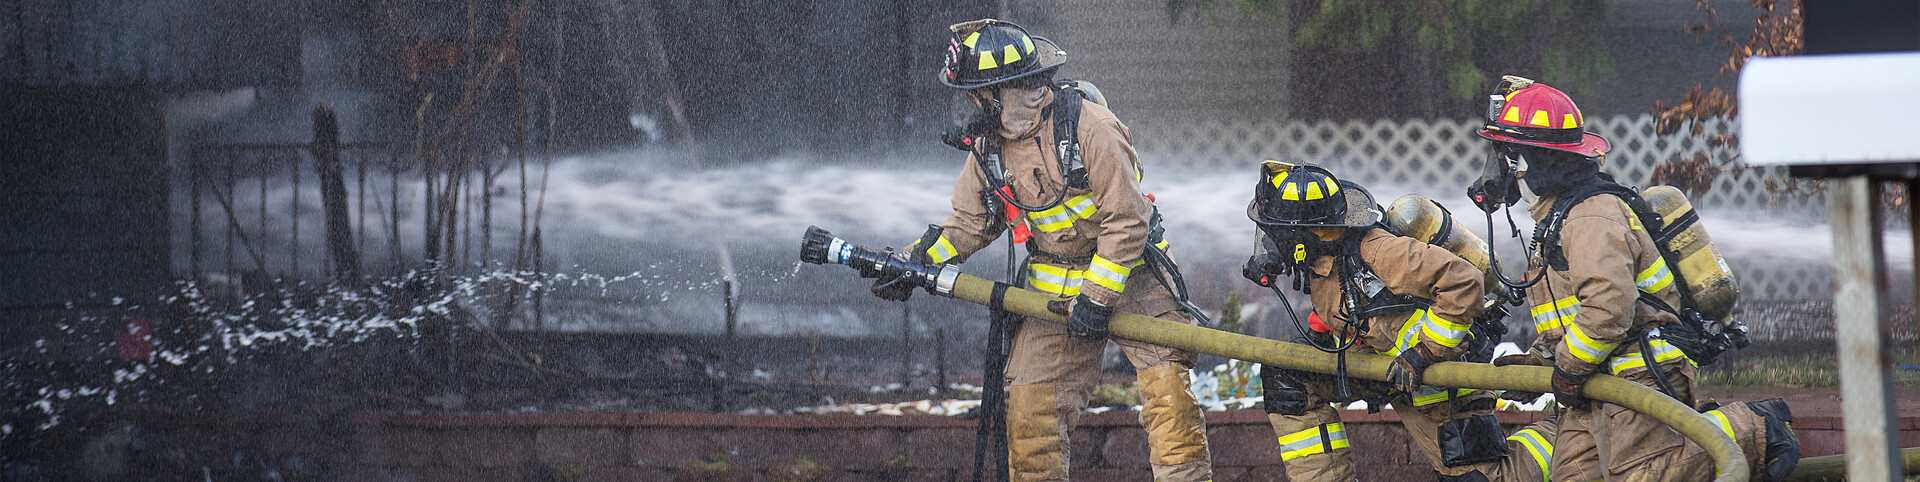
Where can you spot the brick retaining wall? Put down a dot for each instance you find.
(483, 447)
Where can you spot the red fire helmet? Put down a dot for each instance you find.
(1534, 114)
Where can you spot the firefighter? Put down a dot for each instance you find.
(1070, 183)
(1600, 301)
(1389, 294)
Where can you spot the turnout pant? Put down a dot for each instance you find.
(1609, 442)
(1051, 376)
(1315, 447)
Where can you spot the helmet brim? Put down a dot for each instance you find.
(1048, 55)
(1590, 145)
(1361, 211)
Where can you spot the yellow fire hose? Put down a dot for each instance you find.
(1834, 467)
(821, 247)
(1729, 464)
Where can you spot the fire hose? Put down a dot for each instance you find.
(821, 247)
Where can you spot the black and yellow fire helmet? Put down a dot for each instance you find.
(1309, 196)
(985, 52)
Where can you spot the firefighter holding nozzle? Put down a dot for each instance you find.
(1605, 298)
(1375, 289)
(1053, 168)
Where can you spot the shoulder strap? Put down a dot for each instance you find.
(1066, 133)
(1374, 298)
(1547, 232)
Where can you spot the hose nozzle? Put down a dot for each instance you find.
(821, 247)
(817, 244)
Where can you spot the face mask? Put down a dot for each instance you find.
(972, 115)
(1497, 185)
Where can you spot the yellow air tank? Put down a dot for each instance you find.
(1418, 217)
(1708, 278)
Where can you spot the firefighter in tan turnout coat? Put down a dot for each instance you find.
(1603, 295)
(1058, 172)
(1388, 294)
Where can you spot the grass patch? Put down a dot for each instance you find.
(1796, 371)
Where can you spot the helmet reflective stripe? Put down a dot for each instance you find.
(1319, 439)
(1552, 316)
(1109, 274)
(1567, 122)
(971, 39)
(1662, 353)
(1011, 55)
(1538, 446)
(1655, 277)
(1584, 346)
(1540, 119)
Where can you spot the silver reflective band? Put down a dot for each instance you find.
(943, 284)
(836, 254)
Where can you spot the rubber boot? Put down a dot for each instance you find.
(1783, 447)
(1176, 433)
(1035, 450)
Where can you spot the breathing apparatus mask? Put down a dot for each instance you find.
(972, 115)
(1502, 179)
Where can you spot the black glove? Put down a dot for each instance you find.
(1524, 359)
(899, 288)
(1404, 373)
(1088, 319)
(893, 288)
(1566, 388)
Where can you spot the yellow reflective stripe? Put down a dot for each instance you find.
(1556, 314)
(1654, 277)
(1662, 353)
(1082, 206)
(1409, 334)
(1585, 347)
(1055, 279)
(1428, 395)
(1062, 216)
(1725, 425)
(1441, 331)
(1438, 329)
(1109, 274)
(1052, 219)
(942, 250)
(1308, 442)
(1537, 446)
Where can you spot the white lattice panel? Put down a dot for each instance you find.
(1446, 152)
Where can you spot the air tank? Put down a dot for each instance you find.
(1418, 217)
(1700, 263)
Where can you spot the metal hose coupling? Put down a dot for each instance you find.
(821, 247)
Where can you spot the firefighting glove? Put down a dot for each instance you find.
(1566, 388)
(893, 288)
(1405, 371)
(1524, 359)
(1088, 319)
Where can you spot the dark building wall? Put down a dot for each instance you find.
(84, 210)
(772, 75)
(158, 43)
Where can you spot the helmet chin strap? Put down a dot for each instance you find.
(1520, 178)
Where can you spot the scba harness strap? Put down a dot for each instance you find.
(1695, 336)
